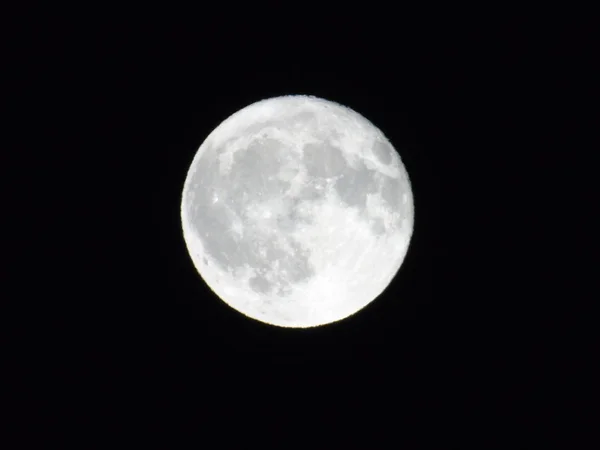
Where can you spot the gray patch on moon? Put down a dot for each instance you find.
(255, 173)
(323, 159)
(254, 169)
(382, 152)
(377, 226)
(354, 184)
(314, 190)
(260, 284)
(391, 192)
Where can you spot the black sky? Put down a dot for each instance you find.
(115, 333)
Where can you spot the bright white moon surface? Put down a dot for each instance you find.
(297, 211)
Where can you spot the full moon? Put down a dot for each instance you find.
(297, 211)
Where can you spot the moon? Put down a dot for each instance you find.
(297, 211)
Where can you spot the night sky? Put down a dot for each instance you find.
(114, 334)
